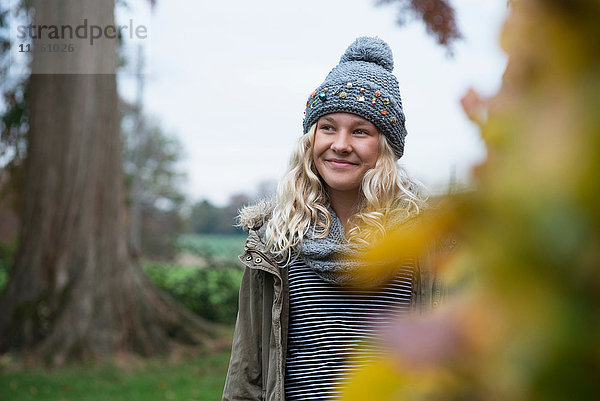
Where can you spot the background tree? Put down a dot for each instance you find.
(153, 158)
(13, 122)
(206, 218)
(74, 290)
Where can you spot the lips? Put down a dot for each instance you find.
(340, 163)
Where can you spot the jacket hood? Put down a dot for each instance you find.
(253, 217)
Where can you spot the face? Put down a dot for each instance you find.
(345, 147)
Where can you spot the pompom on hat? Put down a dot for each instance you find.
(363, 84)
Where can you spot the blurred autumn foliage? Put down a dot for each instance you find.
(437, 15)
(525, 322)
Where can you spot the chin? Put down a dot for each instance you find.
(343, 187)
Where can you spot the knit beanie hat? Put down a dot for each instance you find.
(363, 84)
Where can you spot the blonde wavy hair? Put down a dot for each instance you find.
(387, 194)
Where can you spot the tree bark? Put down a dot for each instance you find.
(75, 292)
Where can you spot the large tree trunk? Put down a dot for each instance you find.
(75, 292)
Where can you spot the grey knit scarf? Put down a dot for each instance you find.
(339, 262)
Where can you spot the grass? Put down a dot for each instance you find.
(214, 247)
(194, 379)
(197, 379)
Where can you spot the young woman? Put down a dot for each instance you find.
(308, 300)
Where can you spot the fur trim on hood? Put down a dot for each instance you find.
(253, 217)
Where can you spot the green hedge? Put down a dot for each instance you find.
(210, 292)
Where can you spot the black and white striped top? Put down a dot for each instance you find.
(328, 324)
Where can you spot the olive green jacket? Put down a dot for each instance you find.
(257, 365)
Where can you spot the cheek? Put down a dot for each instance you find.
(316, 152)
(316, 161)
(371, 154)
(319, 145)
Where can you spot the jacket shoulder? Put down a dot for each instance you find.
(253, 219)
(255, 216)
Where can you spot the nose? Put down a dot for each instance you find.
(341, 143)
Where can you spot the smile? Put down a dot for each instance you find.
(340, 163)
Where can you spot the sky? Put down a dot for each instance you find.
(229, 79)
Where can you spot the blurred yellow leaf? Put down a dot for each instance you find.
(385, 380)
